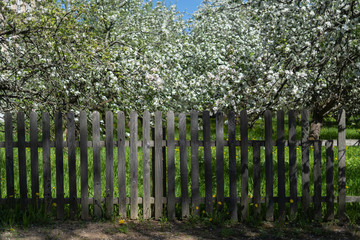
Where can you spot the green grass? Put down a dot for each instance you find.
(329, 131)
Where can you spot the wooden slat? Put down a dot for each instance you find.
(121, 163)
(22, 157)
(96, 164)
(84, 166)
(133, 165)
(164, 161)
(232, 166)
(244, 165)
(171, 164)
(256, 179)
(34, 153)
(269, 202)
(59, 165)
(183, 167)
(9, 156)
(305, 161)
(207, 163)
(109, 121)
(342, 164)
(46, 159)
(158, 165)
(220, 160)
(292, 163)
(146, 165)
(329, 181)
(72, 164)
(317, 180)
(195, 192)
(281, 164)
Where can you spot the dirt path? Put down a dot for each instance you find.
(177, 230)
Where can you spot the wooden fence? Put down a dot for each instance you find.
(162, 199)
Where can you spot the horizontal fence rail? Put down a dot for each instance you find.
(162, 173)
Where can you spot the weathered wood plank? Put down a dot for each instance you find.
(305, 161)
(256, 179)
(158, 165)
(59, 165)
(281, 164)
(195, 192)
(207, 162)
(292, 163)
(22, 157)
(342, 163)
(72, 164)
(220, 160)
(46, 159)
(109, 121)
(183, 167)
(244, 165)
(146, 165)
(330, 197)
(317, 180)
(232, 166)
(96, 164)
(34, 154)
(269, 202)
(133, 165)
(84, 166)
(171, 164)
(121, 163)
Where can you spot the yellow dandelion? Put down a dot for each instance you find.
(256, 205)
(219, 203)
(214, 195)
(54, 188)
(197, 208)
(227, 213)
(251, 196)
(203, 211)
(291, 201)
(11, 229)
(121, 221)
(11, 196)
(37, 194)
(54, 205)
(347, 186)
(210, 219)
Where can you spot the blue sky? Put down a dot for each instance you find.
(189, 6)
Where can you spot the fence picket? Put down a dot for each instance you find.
(22, 158)
(72, 164)
(292, 163)
(256, 178)
(109, 194)
(317, 180)
(146, 165)
(305, 161)
(183, 167)
(84, 166)
(244, 165)
(220, 160)
(133, 166)
(9, 156)
(96, 164)
(329, 181)
(281, 164)
(342, 164)
(232, 167)
(34, 156)
(59, 165)
(207, 163)
(269, 202)
(195, 192)
(171, 165)
(121, 163)
(46, 159)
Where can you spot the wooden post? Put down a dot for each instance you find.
(207, 163)
(305, 161)
(317, 180)
(183, 167)
(34, 157)
(72, 164)
(171, 165)
(256, 178)
(232, 167)
(146, 165)
(281, 164)
(342, 164)
(292, 163)
(97, 165)
(133, 166)
(109, 194)
(195, 192)
(46, 159)
(9, 156)
(84, 166)
(59, 165)
(244, 165)
(269, 202)
(329, 181)
(22, 159)
(220, 160)
(121, 163)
